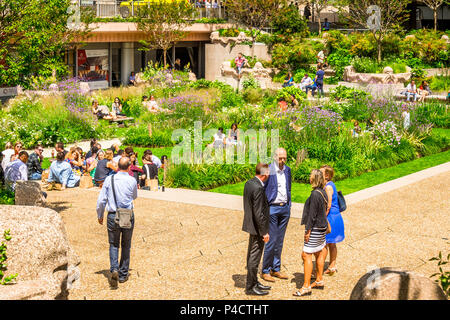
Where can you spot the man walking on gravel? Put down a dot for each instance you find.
(118, 193)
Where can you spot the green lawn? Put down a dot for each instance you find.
(300, 192)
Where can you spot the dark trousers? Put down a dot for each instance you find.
(254, 253)
(279, 218)
(114, 234)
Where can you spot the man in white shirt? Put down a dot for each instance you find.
(278, 192)
(307, 84)
(411, 90)
(17, 170)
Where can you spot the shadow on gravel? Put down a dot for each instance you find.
(239, 280)
(59, 206)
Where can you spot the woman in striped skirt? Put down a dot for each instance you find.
(315, 220)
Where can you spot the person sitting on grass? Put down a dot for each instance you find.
(150, 169)
(91, 162)
(219, 139)
(17, 170)
(154, 158)
(34, 163)
(74, 158)
(61, 172)
(7, 153)
(356, 131)
(134, 170)
(152, 105)
(102, 112)
(288, 80)
(116, 108)
(132, 79)
(105, 167)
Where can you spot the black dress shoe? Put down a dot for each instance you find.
(122, 280)
(260, 286)
(256, 292)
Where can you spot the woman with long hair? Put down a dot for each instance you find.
(315, 221)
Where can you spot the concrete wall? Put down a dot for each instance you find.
(216, 53)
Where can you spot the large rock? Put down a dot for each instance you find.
(28, 193)
(350, 75)
(39, 253)
(392, 284)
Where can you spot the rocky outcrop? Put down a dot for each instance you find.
(216, 38)
(387, 77)
(392, 284)
(39, 253)
(229, 75)
(28, 193)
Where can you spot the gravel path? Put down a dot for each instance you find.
(185, 251)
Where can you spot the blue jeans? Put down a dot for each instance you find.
(114, 232)
(279, 218)
(310, 87)
(319, 88)
(409, 94)
(35, 176)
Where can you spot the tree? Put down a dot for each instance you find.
(164, 24)
(318, 6)
(434, 5)
(380, 16)
(254, 14)
(33, 37)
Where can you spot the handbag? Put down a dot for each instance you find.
(341, 202)
(326, 203)
(123, 216)
(86, 181)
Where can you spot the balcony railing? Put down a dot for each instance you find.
(126, 9)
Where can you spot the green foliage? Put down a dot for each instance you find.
(344, 92)
(253, 95)
(44, 36)
(138, 136)
(3, 257)
(289, 21)
(6, 196)
(250, 82)
(339, 59)
(443, 276)
(287, 93)
(440, 83)
(369, 65)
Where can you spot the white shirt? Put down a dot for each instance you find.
(156, 161)
(409, 87)
(306, 81)
(7, 157)
(282, 188)
(321, 56)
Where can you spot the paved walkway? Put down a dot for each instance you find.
(185, 251)
(233, 202)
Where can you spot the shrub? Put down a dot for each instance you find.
(253, 95)
(250, 82)
(289, 21)
(138, 136)
(3, 257)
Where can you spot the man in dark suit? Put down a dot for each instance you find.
(256, 222)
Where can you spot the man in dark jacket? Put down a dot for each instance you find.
(256, 222)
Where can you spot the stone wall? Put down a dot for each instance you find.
(223, 49)
(39, 253)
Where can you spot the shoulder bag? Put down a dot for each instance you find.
(123, 216)
(341, 202)
(326, 203)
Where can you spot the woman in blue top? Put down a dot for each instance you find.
(334, 218)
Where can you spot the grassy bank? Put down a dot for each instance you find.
(300, 192)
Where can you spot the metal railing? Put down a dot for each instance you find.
(126, 9)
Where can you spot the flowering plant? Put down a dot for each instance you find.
(386, 133)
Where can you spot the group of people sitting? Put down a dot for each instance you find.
(103, 112)
(221, 140)
(417, 94)
(67, 167)
(307, 84)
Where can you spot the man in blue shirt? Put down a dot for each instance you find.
(326, 25)
(17, 170)
(319, 80)
(61, 172)
(278, 192)
(125, 188)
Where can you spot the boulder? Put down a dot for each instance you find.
(139, 78)
(350, 75)
(28, 193)
(388, 70)
(53, 87)
(445, 38)
(392, 284)
(410, 37)
(192, 77)
(39, 253)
